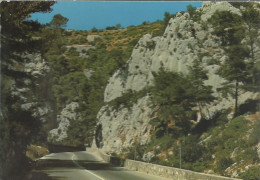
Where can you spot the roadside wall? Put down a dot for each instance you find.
(157, 170)
(170, 172)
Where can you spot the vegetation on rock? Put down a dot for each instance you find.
(80, 68)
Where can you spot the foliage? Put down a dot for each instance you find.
(70, 87)
(116, 27)
(128, 99)
(35, 152)
(191, 150)
(176, 96)
(18, 127)
(251, 174)
(167, 17)
(164, 142)
(68, 82)
(136, 152)
(229, 27)
(191, 10)
(213, 141)
(58, 21)
(171, 94)
(94, 29)
(223, 163)
(203, 94)
(254, 137)
(194, 15)
(15, 26)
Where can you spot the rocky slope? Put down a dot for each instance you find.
(37, 69)
(183, 41)
(67, 115)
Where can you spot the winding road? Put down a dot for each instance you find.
(86, 166)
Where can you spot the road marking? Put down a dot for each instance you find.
(72, 158)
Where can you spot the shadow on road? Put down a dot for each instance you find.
(90, 165)
(36, 175)
(53, 163)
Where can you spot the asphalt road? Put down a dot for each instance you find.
(86, 166)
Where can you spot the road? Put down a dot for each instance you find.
(86, 166)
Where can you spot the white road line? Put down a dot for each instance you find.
(72, 158)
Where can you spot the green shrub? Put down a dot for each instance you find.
(191, 150)
(94, 29)
(253, 173)
(200, 165)
(249, 154)
(254, 137)
(136, 152)
(235, 128)
(223, 163)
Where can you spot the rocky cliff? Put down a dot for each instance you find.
(183, 41)
(27, 89)
(67, 115)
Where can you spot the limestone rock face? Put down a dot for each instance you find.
(258, 149)
(92, 38)
(138, 73)
(183, 41)
(124, 127)
(35, 67)
(210, 8)
(67, 114)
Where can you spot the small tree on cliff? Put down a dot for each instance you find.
(231, 28)
(202, 94)
(58, 21)
(251, 17)
(172, 94)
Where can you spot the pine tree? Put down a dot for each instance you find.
(230, 27)
(172, 94)
(202, 94)
(58, 22)
(251, 17)
(17, 126)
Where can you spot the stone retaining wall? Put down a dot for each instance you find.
(170, 172)
(157, 170)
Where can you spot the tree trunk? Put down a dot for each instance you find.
(251, 42)
(209, 116)
(200, 109)
(252, 48)
(167, 128)
(236, 99)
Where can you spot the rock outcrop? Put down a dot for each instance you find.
(124, 127)
(183, 41)
(36, 69)
(67, 114)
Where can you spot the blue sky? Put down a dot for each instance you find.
(84, 15)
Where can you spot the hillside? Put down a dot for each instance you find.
(182, 92)
(88, 58)
(153, 109)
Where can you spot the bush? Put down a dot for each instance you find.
(94, 29)
(249, 154)
(223, 163)
(251, 174)
(235, 128)
(254, 137)
(136, 152)
(191, 150)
